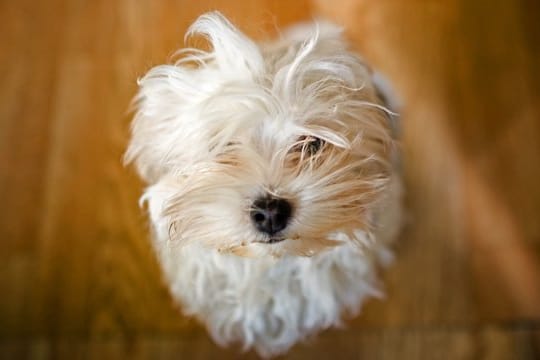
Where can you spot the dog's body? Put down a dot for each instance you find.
(272, 192)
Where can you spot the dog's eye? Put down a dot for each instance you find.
(309, 144)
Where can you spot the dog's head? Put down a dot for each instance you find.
(276, 149)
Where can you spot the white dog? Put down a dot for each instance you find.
(272, 191)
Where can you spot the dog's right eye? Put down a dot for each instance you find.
(309, 145)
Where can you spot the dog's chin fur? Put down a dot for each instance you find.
(220, 128)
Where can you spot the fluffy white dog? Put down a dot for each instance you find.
(272, 191)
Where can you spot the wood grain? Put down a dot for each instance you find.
(78, 277)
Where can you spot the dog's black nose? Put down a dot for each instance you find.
(270, 214)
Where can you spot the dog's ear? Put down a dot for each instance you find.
(170, 128)
(390, 100)
(386, 92)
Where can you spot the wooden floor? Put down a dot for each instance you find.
(77, 277)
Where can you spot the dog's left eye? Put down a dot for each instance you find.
(309, 144)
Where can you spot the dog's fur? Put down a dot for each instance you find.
(220, 128)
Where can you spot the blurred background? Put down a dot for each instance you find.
(78, 278)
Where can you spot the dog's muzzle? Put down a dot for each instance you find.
(270, 215)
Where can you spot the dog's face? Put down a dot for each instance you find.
(279, 149)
